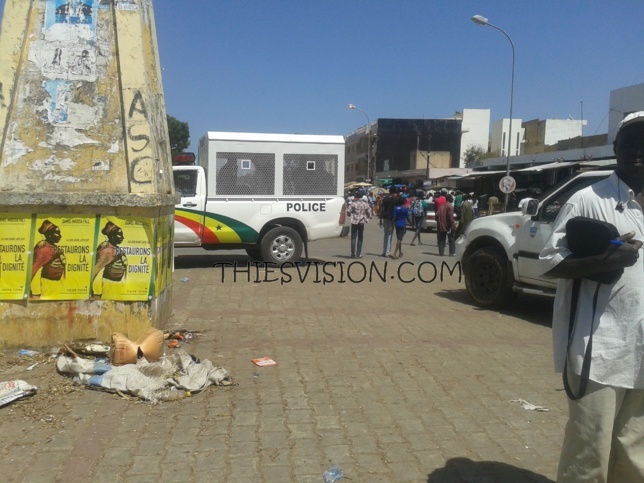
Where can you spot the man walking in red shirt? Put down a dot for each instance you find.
(446, 227)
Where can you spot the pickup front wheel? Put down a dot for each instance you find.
(488, 279)
(281, 244)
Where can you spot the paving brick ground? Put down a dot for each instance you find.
(390, 381)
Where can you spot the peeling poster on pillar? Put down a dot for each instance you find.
(15, 247)
(126, 5)
(123, 268)
(68, 48)
(62, 257)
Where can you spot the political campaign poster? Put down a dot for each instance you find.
(163, 267)
(62, 258)
(124, 262)
(169, 261)
(160, 277)
(15, 250)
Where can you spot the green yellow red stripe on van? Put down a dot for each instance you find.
(216, 228)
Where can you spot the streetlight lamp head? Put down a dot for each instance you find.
(480, 20)
(351, 106)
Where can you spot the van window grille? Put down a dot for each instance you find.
(310, 174)
(245, 174)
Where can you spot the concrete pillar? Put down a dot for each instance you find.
(86, 192)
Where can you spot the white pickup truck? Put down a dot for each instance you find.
(499, 254)
(269, 194)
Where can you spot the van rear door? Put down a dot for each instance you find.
(190, 183)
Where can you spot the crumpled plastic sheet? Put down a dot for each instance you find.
(12, 390)
(147, 380)
(530, 407)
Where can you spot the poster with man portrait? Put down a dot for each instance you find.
(62, 258)
(124, 260)
(15, 250)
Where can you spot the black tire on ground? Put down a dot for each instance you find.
(488, 279)
(281, 244)
(255, 253)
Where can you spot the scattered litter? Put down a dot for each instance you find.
(332, 474)
(32, 366)
(12, 390)
(185, 279)
(27, 353)
(96, 349)
(172, 394)
(257, 374)
(264, 361)
(124, 396)
(148, 346)
(180, 334)
(530, 407)
(170, 378)
(173, 344)
(79, 365)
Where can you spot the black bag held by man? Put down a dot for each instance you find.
(587, 237)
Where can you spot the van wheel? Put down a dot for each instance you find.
(488, 279)
(281, 244)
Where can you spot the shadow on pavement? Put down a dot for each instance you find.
(207, 260)
(531, 308)
(461, 470)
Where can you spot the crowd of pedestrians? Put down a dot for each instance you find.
(398, 211)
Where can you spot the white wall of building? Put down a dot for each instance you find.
(476, 130)
(561, 129)
(499, 138)
(622, 102)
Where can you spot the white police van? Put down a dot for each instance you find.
(269, 194)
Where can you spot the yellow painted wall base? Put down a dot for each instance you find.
(41, 324)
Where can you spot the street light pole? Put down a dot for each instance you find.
(370, 173)
(481, 20)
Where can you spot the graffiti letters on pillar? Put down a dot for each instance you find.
(141, 167)
(138, 105)
(137, 137)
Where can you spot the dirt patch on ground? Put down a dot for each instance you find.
(53, 388)
(56, 393)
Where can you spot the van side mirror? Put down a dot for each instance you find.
(531, 207)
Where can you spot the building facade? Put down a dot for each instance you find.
(541, 136)
(401, 148)
(475, 130)
(623, 102)
(501, 139)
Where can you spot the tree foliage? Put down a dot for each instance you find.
(473, 155)
(179, 135)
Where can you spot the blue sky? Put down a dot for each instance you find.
(292, 66)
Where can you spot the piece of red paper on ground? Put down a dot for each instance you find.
(264, 361)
